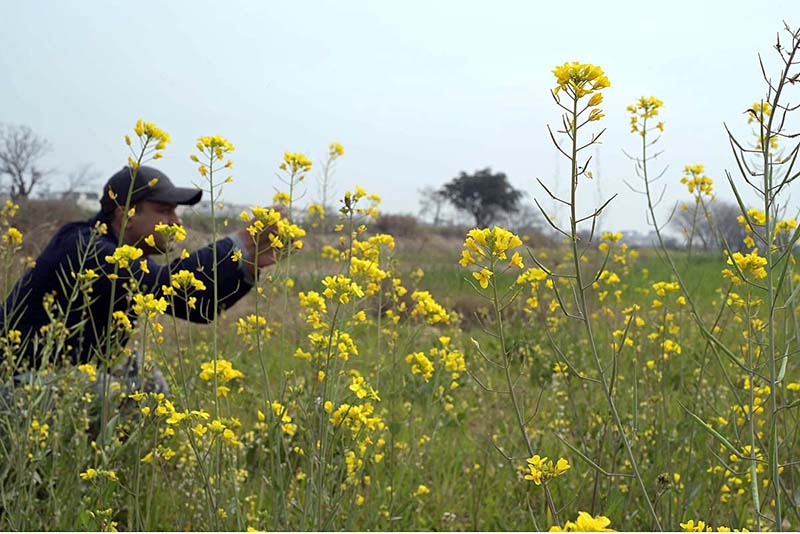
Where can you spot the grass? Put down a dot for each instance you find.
(461, 444)
(381, 386)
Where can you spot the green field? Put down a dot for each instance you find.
(434, 457)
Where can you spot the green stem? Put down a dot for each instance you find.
(104, 416)
(769, 230)
(583, 308)
(321, 434)
(215, 311)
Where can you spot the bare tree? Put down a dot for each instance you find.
(724, 226)
(726, 217)
(81, 177)
(431, 203)
(527, 219)
(21, 151)
(694, 227)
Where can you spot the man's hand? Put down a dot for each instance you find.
(267, 255)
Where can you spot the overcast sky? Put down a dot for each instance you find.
(416, 91)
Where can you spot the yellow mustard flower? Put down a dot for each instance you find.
(541, 469)
(12, 237)
(580, 79)
(483, 277)
(124, 255)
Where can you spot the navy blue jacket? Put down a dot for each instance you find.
(67, 253)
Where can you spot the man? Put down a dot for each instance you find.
(79, 253)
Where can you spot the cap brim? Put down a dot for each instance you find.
(178, 195)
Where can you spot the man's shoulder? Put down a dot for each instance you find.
(77, 229)
(75, 236)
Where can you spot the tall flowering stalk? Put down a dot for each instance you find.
(647, 126)
(152, 141)
(270, 231)
(776, 171)
(339, 290)
(325, 183)
(294, 167)
(169, 235)
(273, 229)
(211, 159)
(487, 251)
(578, 94)
(11, 246)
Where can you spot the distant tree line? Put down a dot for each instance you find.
(487, 198)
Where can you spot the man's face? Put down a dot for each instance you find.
(148, 214)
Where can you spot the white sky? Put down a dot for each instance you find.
(416, 91)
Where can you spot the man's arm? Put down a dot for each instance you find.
(197, 305)
(234, 278)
